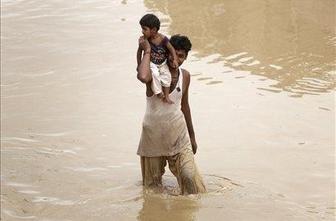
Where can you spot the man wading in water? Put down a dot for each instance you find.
(167, 132)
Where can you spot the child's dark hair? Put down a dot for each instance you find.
(150, 21)
(180, 42)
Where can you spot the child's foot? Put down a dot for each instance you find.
(160, 95)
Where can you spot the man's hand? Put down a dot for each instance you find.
(193, 145)
(144, 44)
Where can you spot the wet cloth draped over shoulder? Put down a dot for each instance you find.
(164, 130)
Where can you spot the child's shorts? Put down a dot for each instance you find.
(161, 77)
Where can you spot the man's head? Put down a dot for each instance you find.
(182, 46)
(150, 25)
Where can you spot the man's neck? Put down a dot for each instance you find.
(173, 71)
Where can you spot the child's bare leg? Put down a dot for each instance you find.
(166, 95)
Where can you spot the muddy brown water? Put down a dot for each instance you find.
(262, 100)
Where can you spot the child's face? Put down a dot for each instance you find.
(146, 31)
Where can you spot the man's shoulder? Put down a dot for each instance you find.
(186, 78)
(186, 73)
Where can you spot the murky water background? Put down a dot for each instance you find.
(292, 42)
(262, 98)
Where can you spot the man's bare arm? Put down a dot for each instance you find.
(144, 73)
(139, 54)
(186, 110)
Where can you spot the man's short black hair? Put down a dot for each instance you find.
(180, 42)
(150, 21)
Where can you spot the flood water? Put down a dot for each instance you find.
(262, 98)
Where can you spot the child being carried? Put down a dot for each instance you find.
(160, 48)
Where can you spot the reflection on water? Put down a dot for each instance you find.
(168, 208)
(290, 41)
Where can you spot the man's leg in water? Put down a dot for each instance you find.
(183, 166)
(152, 169)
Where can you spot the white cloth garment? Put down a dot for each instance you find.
(161, 77)
(164, 129)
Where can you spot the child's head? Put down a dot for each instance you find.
(150, 25)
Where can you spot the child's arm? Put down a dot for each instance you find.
(172, 52)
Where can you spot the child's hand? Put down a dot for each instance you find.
(144, 44)
(175, 64)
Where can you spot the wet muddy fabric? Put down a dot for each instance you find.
(164, 130)
(182, 165)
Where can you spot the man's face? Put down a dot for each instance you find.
(146, 31)
(181, 56)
